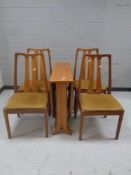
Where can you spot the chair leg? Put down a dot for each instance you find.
(119, 126)
(46, 124)
(70, 98)
(51, 100)
(74, 100)
(7, 124)
(76, 110)
(81, 126)
(49, 104)
(76, 104)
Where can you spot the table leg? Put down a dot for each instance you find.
(61, 109)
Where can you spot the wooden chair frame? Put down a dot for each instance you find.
(26, 89)
(83, 73)
(120, 113)
(42, 51)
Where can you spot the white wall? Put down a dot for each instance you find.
(1, 80)
(64, 25)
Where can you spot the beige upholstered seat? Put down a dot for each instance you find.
(99, 102)
(27, 100)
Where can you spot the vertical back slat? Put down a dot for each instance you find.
(81, 76)
(110, 74)
(36, 62)
(83, 71)
(15, 73)
(91, 74)
(75, 65)
(49, 56)
(98, 79)
(89, 64)
(26, 82)
(34, 73)
(44, 72)
(42, 67)
(35, 51)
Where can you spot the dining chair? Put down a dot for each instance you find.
(84, 74)
(95, 103)
(30, 100)
(40, 74)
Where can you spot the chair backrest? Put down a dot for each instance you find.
(84, 51)
(96, 60)
(41, 51)
(30, 76)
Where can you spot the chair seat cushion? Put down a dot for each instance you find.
(84, 84)
(99, 102)
(40, 84)
(27, 100)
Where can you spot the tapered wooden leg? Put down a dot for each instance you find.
(7, 124)
(76, 104)
(119, 126)
(76, 109)
(70, 99)
(81, 126)
(74, 100)
(46, 124)
(51, 100)
(49, 105)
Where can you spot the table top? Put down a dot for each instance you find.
(61, 73)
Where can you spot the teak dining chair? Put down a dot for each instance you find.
(30, 100)
(95, 102)
(40, 73)
(84, 74)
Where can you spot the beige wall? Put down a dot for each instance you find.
(64, 25)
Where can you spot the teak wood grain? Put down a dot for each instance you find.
(61, 76)
(61, 73)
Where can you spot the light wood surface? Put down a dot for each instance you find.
(61, 76)
(61, 73)
(87, 68)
